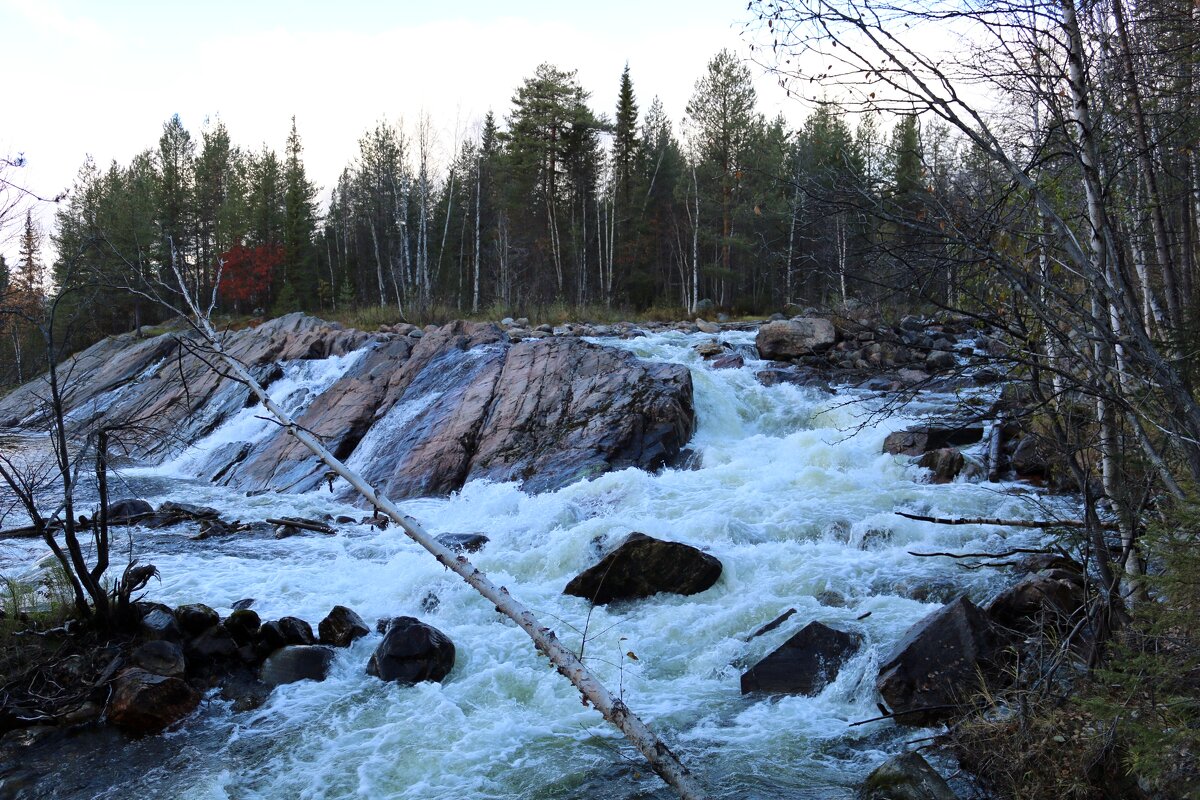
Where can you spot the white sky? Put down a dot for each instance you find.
(100, 78)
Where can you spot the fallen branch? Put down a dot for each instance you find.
(660, 757)
(1008, 523)
(303, 524)
(1016, 552)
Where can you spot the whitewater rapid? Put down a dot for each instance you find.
(792, 493)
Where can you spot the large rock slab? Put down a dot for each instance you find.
(143, 702)
(565, 409)
(415, 416)
(787, 339)
(935, 668)
(804, 664)
(340, 417)
(411, 652)
(642, 566)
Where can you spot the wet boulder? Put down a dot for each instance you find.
(341, 626)
(212, 645)
(243, 625)
(642, 566)
(463, 542)
(296, 663)
(788, 339)
(934, 669)
(939, 360)
(804, 664)
(127, 512)
(158, 622)
(411, 652)
(907, 776)
(945, 464)
(285, 631)
(196, 618)
(1032, 457)
(161, 658)
(729, 361)
(923, 438)
(1053, 596)
(142, 702)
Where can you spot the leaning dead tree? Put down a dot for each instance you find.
(660, 757)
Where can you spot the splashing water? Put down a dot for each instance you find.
(792, 494)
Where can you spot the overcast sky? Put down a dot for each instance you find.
(100, 78)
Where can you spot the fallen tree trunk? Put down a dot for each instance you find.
(660, 757)
(302, 524)
(1010, 523)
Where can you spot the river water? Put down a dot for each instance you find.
(789, 489)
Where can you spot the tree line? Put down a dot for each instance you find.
(555, 202)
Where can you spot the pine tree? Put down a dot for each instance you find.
(29, 281)
(175, 210)
(299, 228)
(722, 118)
(625, 140)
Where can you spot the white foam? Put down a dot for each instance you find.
(791, 495)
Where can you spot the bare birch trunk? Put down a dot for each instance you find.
(660, 757)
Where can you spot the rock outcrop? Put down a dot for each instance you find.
(416, 416)
(642, 566)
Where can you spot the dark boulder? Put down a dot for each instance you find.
(284, 631)
(243, 625)
(196, 618)
(213, 645)
(126, 512)
(412, 652)
(463, 542)
(296, 663)
(729, 361)
(907, 776)
(945, 463)
(805, 663)
(142, 702)
(1032, 457)
(939, 360)
(1053, 597)
(158, 622)
(161, 658)
(642, 566)
(341, 626)
(935, 668)
(923, 438)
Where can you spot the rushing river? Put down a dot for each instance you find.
(789, 489)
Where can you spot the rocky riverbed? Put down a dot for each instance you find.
(558, 445)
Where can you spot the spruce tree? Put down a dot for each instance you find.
(299, 228)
